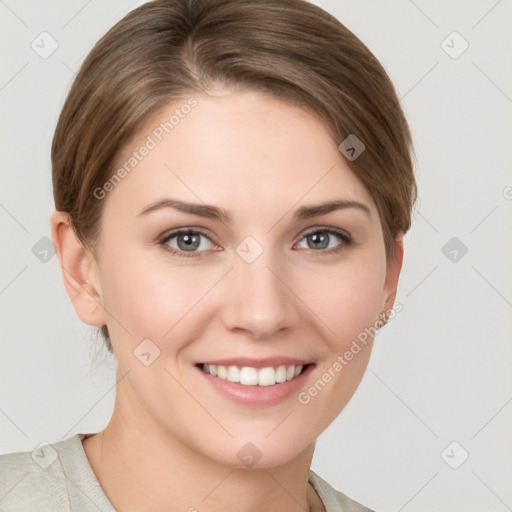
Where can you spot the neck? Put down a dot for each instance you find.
(144, 468)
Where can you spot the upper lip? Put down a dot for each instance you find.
(258, 363)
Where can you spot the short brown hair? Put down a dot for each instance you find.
(291, 49)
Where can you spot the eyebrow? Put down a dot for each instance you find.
(213, 212)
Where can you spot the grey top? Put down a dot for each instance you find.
(57, 477)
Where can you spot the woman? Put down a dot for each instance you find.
(232, 183)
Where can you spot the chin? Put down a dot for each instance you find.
(258, 452)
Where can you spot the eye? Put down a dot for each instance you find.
(322, 238)
(187, 241)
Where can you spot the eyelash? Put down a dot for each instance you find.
(347, 241)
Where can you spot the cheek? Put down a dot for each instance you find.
(345, 300)
(149, 298)
(346, 304)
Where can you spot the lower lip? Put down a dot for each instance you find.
(258, 395)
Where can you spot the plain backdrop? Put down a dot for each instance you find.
(429, 427)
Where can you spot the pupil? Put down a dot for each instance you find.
(189, 241)
(320, 238)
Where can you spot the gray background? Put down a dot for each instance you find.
(440, 370)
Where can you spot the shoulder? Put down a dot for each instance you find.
(333, 500)
(35, 481)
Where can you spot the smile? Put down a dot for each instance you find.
(249, 376)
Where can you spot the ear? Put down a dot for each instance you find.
(392, 273)
(79, 271)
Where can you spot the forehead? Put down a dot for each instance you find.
(243, 150)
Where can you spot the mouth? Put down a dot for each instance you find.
(256, 377)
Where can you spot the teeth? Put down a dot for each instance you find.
(281, 373)
(233, 374)
(222, 372)
(249, 376)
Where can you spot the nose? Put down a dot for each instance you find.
(259, 298)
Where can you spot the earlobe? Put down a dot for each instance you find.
(392, 274)
(79, 271)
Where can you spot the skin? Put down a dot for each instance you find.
(172, 441)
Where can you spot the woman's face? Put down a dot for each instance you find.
(266, 283)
